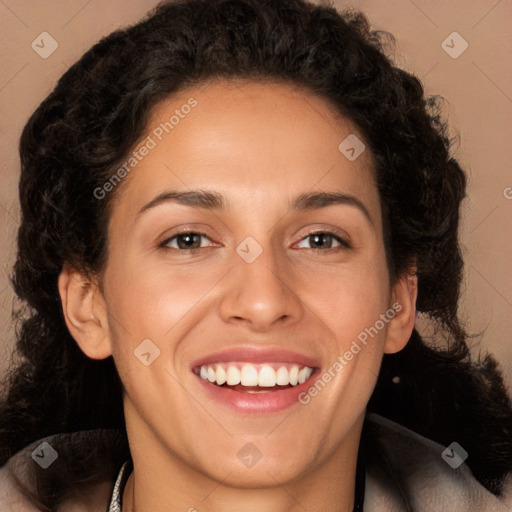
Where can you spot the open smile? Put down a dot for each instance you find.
(250, 388)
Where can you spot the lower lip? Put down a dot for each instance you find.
(258, 403)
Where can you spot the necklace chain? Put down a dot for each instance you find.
(115, 502)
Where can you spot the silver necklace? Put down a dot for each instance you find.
(115, 500)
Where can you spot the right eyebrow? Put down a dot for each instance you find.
(194, 198)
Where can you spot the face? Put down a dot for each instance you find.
(264, 278)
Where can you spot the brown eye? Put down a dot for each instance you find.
(324, 240)
(184, 241)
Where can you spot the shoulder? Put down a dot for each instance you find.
(407, 471)
(55, 472)
(11, 498)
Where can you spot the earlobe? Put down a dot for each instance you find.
(84, 313)
(404, 294)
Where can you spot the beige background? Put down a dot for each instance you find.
(477, 86)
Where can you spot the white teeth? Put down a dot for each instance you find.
(221, 375)
(282, 378)
(303, 375)
(264, 375)
(294, 375)
(249, 375)
(267, 377)
(232, 376)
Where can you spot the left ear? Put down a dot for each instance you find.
(403, 302)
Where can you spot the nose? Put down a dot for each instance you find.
(261, 294)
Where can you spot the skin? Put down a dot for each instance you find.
(260, 145)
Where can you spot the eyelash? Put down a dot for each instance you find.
(344, 244)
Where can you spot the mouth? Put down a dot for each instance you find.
(245, 377)
(255, 388)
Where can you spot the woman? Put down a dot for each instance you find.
(232, 213)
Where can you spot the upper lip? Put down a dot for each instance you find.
(256, 355)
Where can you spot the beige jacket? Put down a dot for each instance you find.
(406, 473)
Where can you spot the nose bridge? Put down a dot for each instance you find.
(258, 291)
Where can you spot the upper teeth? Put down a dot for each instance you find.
(247, 374)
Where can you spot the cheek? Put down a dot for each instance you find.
(350, 299)
(352, 304)
(156, 302)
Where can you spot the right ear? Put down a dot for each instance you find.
(84, 311)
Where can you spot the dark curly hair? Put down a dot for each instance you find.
(98, 112)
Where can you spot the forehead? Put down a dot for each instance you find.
(251, 139)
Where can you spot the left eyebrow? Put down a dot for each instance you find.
(211, 200)
(316, 200)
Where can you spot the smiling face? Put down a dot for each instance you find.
(246, 240)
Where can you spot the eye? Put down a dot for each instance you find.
(324, 240)
(187, 241)
(191, 241)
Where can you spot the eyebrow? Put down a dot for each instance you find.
(210, 200)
